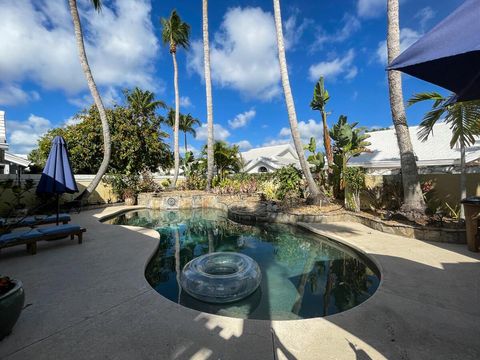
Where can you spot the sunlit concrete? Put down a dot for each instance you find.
(92, 301)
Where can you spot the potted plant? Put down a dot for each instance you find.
(12, 298)
(130, 197)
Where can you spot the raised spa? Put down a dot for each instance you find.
(221, 277)
(303, 275)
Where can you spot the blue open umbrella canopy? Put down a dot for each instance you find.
(448, 55)
(57, 177)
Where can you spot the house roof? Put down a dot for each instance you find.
(435, 151)
(272, 163)
(267, 152)
(16, 159)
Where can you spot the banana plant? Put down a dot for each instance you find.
(317, 159)
(350, 141)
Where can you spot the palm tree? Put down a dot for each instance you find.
(208, 89)
(143, 103)
(412, 199)
(187, 122)
(227, 159)
(319, 102)
(175, 32)
(463, 119)
(97, 4)
(315, 196)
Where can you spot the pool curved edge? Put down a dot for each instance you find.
(375, 262)
(306, 226)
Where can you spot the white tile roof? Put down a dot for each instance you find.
(267, 152)
(435, 151)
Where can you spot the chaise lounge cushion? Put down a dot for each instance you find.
(33, 220)
(60, 229)
(20, 235)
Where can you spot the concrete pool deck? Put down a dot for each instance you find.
(92, 301)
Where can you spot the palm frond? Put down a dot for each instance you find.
(97, 4)
(416, 98)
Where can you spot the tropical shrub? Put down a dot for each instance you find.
(354, 178)
(147, 183)
(269, 190)
(290, 182)
(123, 186)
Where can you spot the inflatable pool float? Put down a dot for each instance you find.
(221, 277)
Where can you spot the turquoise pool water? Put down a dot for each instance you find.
(303, 275)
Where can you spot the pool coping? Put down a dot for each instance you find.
(394, 323)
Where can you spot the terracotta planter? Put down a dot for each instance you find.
(11, 305)
(130, 201)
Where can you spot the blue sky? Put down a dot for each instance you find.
(41, 84)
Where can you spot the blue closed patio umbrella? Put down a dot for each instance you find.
(57, 177)
(448, 55)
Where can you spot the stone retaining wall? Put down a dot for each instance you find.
(237, 211)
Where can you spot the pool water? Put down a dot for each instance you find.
(303, 275)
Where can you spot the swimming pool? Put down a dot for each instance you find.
(303, 275)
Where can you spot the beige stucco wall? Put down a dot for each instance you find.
(446, 186)
(102, 194)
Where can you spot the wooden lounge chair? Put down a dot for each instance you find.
(31, 237)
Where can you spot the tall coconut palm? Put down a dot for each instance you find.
(187, 124)
(413, 202)
(143, 103)
(319, 102)
(463, 119)
(176, 33)
(97, 4)
(315, 196)
(208, 89)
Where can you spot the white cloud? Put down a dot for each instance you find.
(334, 68)
(293, 30)
(189, 148)
(23, 135)
(307, 129)
(273, 142)
(242, 119)
(407, 38)
(185, 102)
(351, 25)
(371, 8)
(219, 132)
(11, 94)
(243, 54)
(110, 96)
(424, 15)
(244, 145)
(73, 120)
(38, 44)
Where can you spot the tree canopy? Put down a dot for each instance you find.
(137, 142)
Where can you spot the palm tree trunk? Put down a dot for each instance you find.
(96, 98)
(186, 147)
(463, 176)
(413, 198)
(326, 141)
(315, 196)
(208, 89)
(176, 152)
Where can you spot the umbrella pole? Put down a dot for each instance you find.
(58, 208)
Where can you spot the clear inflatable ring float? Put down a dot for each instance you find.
(221, 277)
